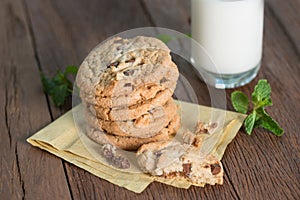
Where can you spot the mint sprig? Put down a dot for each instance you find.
(258, 117)
(168, 38)
(240, 102)
(59, 87)
(165, 38)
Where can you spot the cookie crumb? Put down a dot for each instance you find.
(201, 128)
(188, 137)
(205, 128)
(109, 152)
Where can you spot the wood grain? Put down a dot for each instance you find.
(266, 159)
(288, 17)
(51, 34)
(26, 172)
(174, 15)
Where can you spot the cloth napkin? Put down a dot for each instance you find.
(63, 139)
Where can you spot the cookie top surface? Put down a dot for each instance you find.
(105, 56)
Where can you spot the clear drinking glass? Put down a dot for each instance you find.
(231, 31)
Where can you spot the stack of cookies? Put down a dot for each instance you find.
(126, 87)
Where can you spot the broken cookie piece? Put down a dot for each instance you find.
(192, 139)
(205, 128)
(176, 160)
(109, 152)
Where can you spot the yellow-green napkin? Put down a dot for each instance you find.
(61, 138)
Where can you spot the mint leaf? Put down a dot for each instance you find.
(47, 83)
(59, 87)
(265, 102)
(250, 122)
(267, 122)
(261, 92)
(270, 124)
(240, 101)
(71, 70)
(188, 35)
(164, 38)
(167, 38)
(59, 94)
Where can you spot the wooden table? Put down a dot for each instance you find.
(48, 35)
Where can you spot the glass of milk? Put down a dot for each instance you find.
(231, 31)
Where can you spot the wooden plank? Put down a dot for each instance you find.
(173, 14)
(26, 172)
(287, 13)
(255, 165)
(269, 166)
(60, 28)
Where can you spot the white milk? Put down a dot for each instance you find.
(231, 31)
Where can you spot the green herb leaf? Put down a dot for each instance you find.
(189, 35)
(266, 102)
(47, 83)
(71, 70)
(164, 38)
(59, 87)
(267, 122)
(250, 123)
(59, 94)
(240, 101)
(261, 92)
(261, 98)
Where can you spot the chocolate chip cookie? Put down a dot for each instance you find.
(133, 143)
(146, 125)
(112, 58)
(123, 113)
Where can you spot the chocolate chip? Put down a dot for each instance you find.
(131, 60)
(187, 167)
(163, 80)
(204, 131)
(114, 64)
(121, 162)
(201, 128)
(108, 153)
(158, 154)
(213, 125)
(127, 85)
(118, 41)
(215, 168)
(125, 164)
(117, 160)
(129, 72)
(197, 142)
